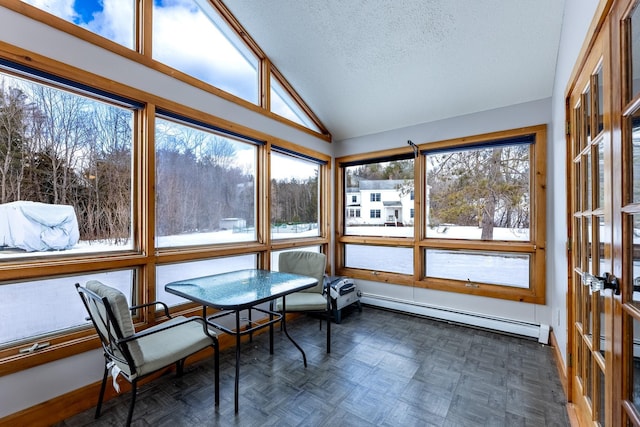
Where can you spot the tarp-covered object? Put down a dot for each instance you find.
(38, 227)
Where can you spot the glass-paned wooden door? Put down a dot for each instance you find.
(630, 213)
(590, 325)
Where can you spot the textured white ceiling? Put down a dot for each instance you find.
(366, 66)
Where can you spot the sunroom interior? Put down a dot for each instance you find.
(421, 147)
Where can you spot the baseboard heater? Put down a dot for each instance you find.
(525, 329)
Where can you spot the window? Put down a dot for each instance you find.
(283, 104)
(354, 199)
(192, 37)
(483, 216)
(384, 187)
(37, 309)
(167, 273)
(205, 185)
(353, 213)
(295, 193)
(66, 170)
(480, 193)
(111, 19)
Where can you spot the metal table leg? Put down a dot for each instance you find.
(237, 384)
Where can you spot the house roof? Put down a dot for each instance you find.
(386, 184)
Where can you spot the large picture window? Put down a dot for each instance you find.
(65, 170)
(205, 186)
(481, 220)
(295, 203)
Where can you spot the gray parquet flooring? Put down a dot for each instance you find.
(385, 369)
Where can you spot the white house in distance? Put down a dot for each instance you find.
(380, 202)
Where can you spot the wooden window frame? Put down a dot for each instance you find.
(535, 247)
(145, 256)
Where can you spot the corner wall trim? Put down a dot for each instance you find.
(526, 329)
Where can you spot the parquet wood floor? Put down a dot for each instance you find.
(385, 369)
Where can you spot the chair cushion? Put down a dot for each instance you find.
(310, 264)
(303, 301)
(166, 347)
(120, 308)
(118, 303)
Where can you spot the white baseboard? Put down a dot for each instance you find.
(540, 332)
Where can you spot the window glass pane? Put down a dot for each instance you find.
(635, 257)
(506, 269)
(284, 105)
(589, 183)
(635, 369)
(205, 187)
(167, 273)
(634, 124)
(479, 193)
(191, 37)
(600, 87)
(600, 179)
(294, 197)
(46, 306)
(635, 53)
(65, 168)
(586, 102)
(111, 19)
(379, 199)
(379, 258)
(276, 254)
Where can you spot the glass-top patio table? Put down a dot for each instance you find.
(236, 291)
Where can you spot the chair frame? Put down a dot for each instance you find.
(328, 311)
(115, 343)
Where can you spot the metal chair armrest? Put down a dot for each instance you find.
(148, 332)
(164, 306)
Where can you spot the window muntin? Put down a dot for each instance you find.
(205, 186)
(379, 258)
(285, 106)
(384, 190)
(68, 168)
(192, 37)
(294, 196)
(39, 308)
(479, 193)
(111, 19)
(167, 273)
(473, 267)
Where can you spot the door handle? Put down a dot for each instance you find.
(597, 283)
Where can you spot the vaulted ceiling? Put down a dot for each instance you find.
(367, 66)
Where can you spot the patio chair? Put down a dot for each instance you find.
(312, 300)
(135, 355)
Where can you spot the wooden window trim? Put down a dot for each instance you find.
(535, 247)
